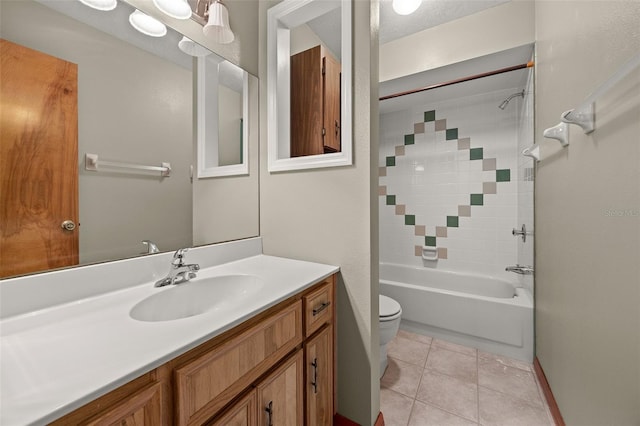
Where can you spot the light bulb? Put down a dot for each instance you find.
(146, 24)
(192, 48)
(405, 7)
(178, 9)
(100, 4)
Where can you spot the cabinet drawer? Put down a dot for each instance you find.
(318, 307)
(206, 384)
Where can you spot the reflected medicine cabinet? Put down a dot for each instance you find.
(315, 102)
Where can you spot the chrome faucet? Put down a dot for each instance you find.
(520, 269)
(151, 246)
(179, 271)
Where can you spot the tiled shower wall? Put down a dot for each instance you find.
(449, 180)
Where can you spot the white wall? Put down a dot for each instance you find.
(493, 30)
(330, 216)
(588, 213)
(434, 177)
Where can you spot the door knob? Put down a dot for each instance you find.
(68, 225)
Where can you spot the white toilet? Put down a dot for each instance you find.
(390, 313)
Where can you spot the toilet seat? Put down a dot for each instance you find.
(389, 309)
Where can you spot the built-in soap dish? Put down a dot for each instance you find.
(429, 253)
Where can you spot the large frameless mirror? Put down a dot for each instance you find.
(126, 141)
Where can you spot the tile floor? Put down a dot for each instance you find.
(434, 382)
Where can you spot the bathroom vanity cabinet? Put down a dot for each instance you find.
(315, 102)
(276, 368)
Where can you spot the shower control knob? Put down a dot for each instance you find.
(68, 225)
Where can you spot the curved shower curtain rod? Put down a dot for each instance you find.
(459, 80)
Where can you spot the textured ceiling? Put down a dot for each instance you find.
(429, 14)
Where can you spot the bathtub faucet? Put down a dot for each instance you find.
(520, 269)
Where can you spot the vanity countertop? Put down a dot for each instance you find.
(57, 359)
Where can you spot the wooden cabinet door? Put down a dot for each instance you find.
(319, 378)
(242, 413)
(331, 103)
(38, 161)
(280, 401)
(144, 408)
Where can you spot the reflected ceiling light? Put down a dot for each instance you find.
(217, 27)
(405, 7)
(100, 4)
(178, 9)
(146, 24)
(192, 48)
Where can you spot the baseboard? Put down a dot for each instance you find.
(339, 420)
(548, 395)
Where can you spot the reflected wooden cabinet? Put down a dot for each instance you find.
(315, 102)
(276, 368)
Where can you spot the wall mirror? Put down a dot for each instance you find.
(222, 119)
(309, 84)
(138, 114)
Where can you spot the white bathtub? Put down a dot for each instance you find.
(483, 312)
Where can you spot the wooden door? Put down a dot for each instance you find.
(319, 378)
(306, 103)
(331, 104)
(38, 161)
(280, 401)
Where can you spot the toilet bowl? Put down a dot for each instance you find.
(390, 313)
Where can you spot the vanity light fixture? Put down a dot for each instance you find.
(405, 7)
(192, 48)
(178, 9)
(100, 4)
(216, 16)
(146, 24)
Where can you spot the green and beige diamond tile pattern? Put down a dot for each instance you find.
(451, 221)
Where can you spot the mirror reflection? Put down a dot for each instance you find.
(309, 84)
(77, 81)
(315, 86)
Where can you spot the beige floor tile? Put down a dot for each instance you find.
(500, 409)
(415, 336)
(428, 415)
(402, 377)
(395, 407)
(509, 362)
(448, 393)
(512, 381)
(408, 350)
(454, 364)
(454, 347)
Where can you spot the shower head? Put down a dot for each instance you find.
(504, 103)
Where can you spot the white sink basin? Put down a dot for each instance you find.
(196, 297)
